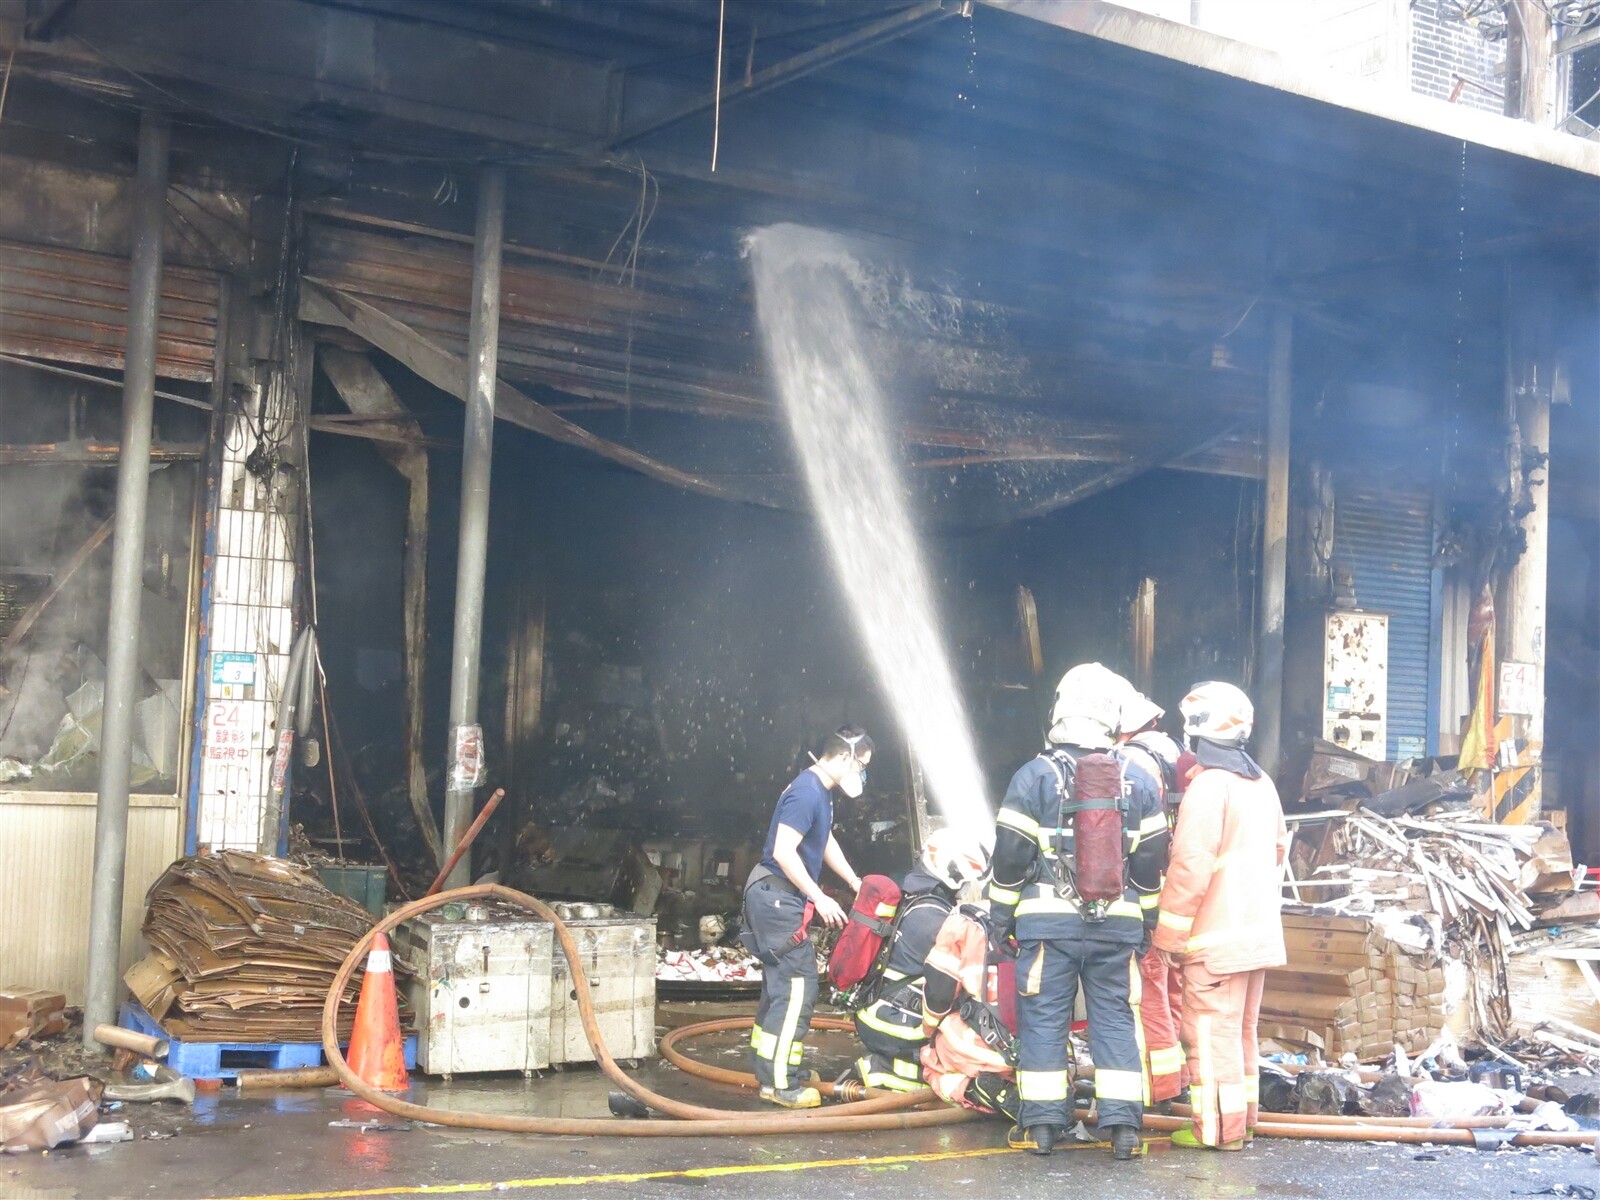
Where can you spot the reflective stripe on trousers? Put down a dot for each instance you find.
(890, 1074)
(1050, 974)
(1159, 1002)
(1220, 1014)
(788, 987)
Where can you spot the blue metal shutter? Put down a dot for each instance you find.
(1385, 537)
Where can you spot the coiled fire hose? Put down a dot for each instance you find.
(743, 1079)
(881, 1112)
(878, 1113)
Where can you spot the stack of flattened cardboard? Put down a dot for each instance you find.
(1350, 989)
(244, 950)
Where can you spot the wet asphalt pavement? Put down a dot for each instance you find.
(283, 1145)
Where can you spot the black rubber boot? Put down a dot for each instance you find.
(1036, 1139)
(1125, 1142)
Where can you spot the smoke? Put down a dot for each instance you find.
(836, 413)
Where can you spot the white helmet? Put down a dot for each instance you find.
(953, 858)
(1163, 752)
(1139, 711)
(1088, 707)
(1217, 712)
(1159, 746)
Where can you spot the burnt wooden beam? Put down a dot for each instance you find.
(325, 305)
(62, 577)
(105, 454)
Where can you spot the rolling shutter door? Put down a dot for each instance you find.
(1385, 537)
(72, 306)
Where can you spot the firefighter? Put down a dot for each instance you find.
(1160, 983)
(1220, 913)
(969, 1014)
(780, 898)
(890, 1026)
(1034, 898)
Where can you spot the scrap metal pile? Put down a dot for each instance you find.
(244, 949)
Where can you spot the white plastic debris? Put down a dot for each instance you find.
(716, 964)
(107, 1131)
(1447, 1101)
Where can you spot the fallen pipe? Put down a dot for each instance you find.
(119, 1038)
(1359, 1131)
(465, 843)
(294, 1077)
(1341, 1120)
(878, 1113)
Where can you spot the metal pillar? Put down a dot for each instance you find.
(1528, 380)
(483, 352)
(1274, 546)
(127, 580)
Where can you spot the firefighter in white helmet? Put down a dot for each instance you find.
(1066, 937)
(889, 1021)
(1220, 913)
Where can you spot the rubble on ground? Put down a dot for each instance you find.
(714, 964)
(1408, 924)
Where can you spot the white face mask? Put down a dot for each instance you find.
(853, 782)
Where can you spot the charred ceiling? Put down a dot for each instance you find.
(1071, 240)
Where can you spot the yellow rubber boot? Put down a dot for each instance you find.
(795, 1097)
(1186, 1138)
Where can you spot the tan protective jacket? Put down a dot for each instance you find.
(1221, 899)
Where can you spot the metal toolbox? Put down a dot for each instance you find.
(619, 957)
(482, 990)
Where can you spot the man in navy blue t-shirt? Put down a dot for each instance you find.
(780, 898)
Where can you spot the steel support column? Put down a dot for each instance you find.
(483, 352)
(1520, 793)
(1274, 545)
(127, 580)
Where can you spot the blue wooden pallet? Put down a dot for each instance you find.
(224, 1060)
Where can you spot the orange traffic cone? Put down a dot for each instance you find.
(377, 1052)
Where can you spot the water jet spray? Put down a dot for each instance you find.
(803, 279)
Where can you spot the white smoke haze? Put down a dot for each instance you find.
(804, 298)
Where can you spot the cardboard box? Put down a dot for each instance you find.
(30, 1012)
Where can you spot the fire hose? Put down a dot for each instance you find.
(877, 1113)
(743, 1079)
(880, 1112)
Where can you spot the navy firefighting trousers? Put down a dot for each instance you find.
(779, 918)
(1048, 975)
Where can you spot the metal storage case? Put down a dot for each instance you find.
(619, 956)
(482, 991)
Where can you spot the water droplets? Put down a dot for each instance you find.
(836, 413)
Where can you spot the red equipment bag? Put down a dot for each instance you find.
(1096, 808)
(871, 919)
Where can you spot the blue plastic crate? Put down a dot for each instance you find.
(224, 1060)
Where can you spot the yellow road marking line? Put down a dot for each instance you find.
(456, 1189)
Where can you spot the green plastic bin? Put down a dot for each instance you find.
(367, 886)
